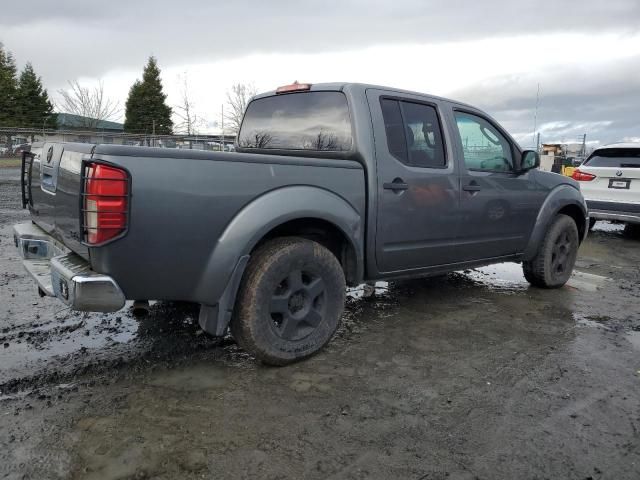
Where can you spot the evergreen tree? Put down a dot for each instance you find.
(32, 101)
(8, 89)
(146, 110)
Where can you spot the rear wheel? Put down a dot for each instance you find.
(556, 255)
(632, 230)
(290, 302)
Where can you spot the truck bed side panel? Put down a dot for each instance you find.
(180, 207)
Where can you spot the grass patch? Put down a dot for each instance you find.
(10, 162)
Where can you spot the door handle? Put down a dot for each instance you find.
(472, 187)
(396, 186)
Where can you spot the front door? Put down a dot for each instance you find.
(498, 206)
(417, 185)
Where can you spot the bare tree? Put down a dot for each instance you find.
(189, 119)
(91, 104)
(237, 100)
(325, 141)
(257, 140)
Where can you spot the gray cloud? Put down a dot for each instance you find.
(73, 38)
(80, 37)
(601, 99)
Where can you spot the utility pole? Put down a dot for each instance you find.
(538, 143)
(583, 151)
(154, 132)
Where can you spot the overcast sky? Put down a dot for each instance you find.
(493, 53)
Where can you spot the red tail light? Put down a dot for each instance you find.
(106, 202)
(582, 176)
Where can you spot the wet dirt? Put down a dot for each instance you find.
(472, 375)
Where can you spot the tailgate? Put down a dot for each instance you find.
(52, 190)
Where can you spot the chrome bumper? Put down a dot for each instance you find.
(615, 211)
(614, 216)
(63, 274)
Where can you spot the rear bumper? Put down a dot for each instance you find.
(616, 211)
(63, 274)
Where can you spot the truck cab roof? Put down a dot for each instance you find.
(344, 86)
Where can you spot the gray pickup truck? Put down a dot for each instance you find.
(330, 185)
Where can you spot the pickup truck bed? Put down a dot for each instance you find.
(173, 232)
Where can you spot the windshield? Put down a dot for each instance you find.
(298, 121)
(615, 158)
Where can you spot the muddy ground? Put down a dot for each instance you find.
(472, 376)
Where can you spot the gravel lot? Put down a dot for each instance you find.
(472, 376)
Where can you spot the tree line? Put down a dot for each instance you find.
(25, 103)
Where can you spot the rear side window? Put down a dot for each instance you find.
(615, 158)
(413, 133)
(298, 121)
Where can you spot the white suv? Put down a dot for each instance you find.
(610, 183)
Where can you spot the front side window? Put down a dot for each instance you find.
(483, 146)
(413, 133)
(298, 121)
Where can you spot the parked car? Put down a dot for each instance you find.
(25, 147)
(610, 182)
(3, 150)
(330, 185)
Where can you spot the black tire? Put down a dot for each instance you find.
(290, 301)
(556, 256)
(632, 230)
(592, 222)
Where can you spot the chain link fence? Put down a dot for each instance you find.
(14, 140)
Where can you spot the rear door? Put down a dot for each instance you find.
(417, 186)
(617, 177)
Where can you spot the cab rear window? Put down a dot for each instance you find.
(615, 158)
(317, 121)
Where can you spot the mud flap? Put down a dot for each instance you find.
(214, 319)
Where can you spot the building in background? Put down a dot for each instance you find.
(73, 128)
(555, 156)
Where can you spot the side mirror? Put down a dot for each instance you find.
(530, 160)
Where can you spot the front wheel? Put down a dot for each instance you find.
(553, 263)
(290, 301)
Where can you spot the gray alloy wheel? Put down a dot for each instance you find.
(290, 302)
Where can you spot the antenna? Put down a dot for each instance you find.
(535, 115)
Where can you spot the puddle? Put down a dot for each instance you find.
(499, 276)
(60, 338)
(380, 288)
(608, 227)
(509, 276)
(195, 378)
(593, 321)
(78, 340)
(587, 282)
